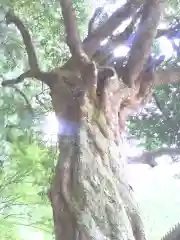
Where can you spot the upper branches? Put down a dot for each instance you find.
(92, 42)
(87, 68)
(141, 46)
(101, 56)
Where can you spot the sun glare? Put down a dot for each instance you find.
(28, 235)
(50, 128)
(166, 47)
(121, 51)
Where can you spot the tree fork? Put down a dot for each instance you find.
(90, 195)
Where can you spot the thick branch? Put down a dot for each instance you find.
(46, 77)
(73, 38)
(107, 50)
(11, 18)
(91, 43)
(149, 157)
(142, 43)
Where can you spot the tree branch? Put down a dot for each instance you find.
(73, 38)
(19, 79)
(12, 18)
(149, 157)
(142, 43)
(107, 50)
(34, 70)
(46, 77)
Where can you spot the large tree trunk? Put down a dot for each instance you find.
(90, 195)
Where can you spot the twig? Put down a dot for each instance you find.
(14, 215)
(25, 98)
(142, 43)
(12, 18)
(32, 225)
(11, 83)
(39, 101)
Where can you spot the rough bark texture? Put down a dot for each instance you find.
(90, 196)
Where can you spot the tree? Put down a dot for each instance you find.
(90, 195)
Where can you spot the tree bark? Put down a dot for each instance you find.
(90, 195)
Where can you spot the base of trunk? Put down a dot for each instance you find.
(90, 196)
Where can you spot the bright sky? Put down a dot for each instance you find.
(29, 235)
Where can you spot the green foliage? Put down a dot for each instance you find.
(24, 183)
(173, 8)
(160, 128)
(159, 204)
